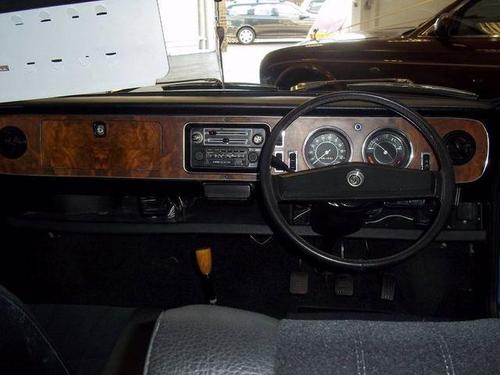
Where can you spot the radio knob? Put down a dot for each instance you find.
(253, 156)
(197, 137)
(199, 156)
(258, 139)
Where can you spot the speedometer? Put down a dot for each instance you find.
(326, 147)
(387, 147)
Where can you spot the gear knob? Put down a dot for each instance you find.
(204, 262)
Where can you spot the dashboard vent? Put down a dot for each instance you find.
(461, 146)
(13, 142)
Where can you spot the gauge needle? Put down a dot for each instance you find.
(383, 149)
(322, 156)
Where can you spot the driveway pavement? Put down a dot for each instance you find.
(241, 63)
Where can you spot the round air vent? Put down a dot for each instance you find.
(461, 146)
(13, 142)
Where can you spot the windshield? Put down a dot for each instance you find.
(283, 43)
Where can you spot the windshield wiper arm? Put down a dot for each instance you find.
(174, 85)
(413, 88)
(341, 84)
(190, 83)
(398, 85)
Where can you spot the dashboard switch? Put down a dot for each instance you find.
(426, 161)
(281, 140)
(292, 157)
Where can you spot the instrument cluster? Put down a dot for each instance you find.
(330, 146)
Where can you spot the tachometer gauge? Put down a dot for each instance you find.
(387, 147)
(326, 147)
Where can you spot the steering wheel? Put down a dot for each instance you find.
(357, 181)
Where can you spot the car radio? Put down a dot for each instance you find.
(224, 147)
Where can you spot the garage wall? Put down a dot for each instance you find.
(189, 25)
(189, 28)
(376, 14)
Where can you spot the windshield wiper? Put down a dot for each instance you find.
(214, 84)
(413, 88)
(192, 83)
(174, 85)
(397, 85)
(341, 84)
(196, 84)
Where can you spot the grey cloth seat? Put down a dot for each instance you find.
(217, 340)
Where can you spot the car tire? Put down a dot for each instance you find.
(246, 35)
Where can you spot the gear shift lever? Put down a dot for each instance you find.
(204, 261)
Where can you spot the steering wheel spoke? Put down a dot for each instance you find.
(356, 181)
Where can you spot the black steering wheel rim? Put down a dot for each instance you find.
(446, 173)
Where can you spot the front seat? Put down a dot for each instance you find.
(76, 340)
(24, 347)
(219, 340)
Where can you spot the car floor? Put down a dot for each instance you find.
(443, 282)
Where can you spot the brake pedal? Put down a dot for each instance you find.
(388, 290)
(344, 285)
(299, 283)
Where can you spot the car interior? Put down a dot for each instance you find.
(244, 229)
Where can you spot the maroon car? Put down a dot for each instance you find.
(459, 47)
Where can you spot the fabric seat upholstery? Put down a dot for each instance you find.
(218, 340)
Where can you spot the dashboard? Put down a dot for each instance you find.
(224, 147)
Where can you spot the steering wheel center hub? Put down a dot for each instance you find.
(355, 178)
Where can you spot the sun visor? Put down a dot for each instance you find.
(80, 48)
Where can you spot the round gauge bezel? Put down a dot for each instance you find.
(339, 132)
(397, 132)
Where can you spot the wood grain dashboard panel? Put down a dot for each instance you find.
(153, 146)
(70, 147)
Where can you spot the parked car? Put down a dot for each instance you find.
(459, 47)
(270, 20)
